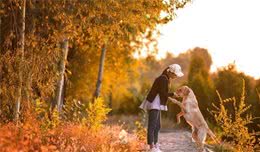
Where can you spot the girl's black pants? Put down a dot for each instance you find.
(154, 126)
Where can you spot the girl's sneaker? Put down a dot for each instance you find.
(154, 150)
(157, 146)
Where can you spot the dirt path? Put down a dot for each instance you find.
(176, 141)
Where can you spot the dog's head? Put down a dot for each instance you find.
(183, 91)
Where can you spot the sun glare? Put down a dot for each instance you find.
(228, 29)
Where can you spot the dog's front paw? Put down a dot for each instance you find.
(173, 100)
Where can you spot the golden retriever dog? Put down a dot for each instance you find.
(191, 112)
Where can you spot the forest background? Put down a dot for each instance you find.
(51, 53)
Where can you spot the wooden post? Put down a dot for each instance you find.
(21, 62)
(100, 72)
(63, 61)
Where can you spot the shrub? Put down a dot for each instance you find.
(65, 137)
(97, 114)
(37, 132)
(140, 129)
(74, 111)
(49, 118)
(234, 125)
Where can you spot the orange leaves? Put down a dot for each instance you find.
(67, 137)
(88, 25)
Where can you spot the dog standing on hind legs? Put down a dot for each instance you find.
(191, 112)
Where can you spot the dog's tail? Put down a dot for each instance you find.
(213, 136)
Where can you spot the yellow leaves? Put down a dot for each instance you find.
(234, 125)
(181, 3)
(88, 25)
(68, 72)
(140, 131)
(97, 114)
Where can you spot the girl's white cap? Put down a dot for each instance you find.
(176, 69)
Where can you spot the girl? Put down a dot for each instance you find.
(156, 101)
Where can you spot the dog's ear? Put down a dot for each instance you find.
(187, 91)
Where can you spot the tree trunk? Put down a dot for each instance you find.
(110, 97)
(0, 58)
(0, 30)
(59, 100)
(258, 94)
(27, 89)
(20, 70)
(100, 72)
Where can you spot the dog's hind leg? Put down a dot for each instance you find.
(194, 135)
(202, 134)
(213, 136)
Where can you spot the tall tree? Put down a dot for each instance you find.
(21, 62)
(86, 24)
(0, 29)
(198, 78)
(107, 20)
(100, 71)
(60, 86)
(229, 82)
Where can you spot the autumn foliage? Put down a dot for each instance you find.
(88, 135)
(123, 27)
(32, 80)
(66, 137)
(234, 124)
